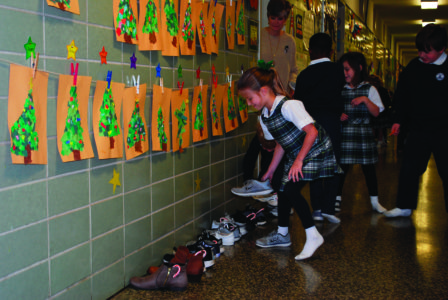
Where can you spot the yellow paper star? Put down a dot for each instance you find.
(71, 50)
(115, 180)
(198, 182)
(244, 141)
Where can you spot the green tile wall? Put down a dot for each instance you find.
(64, 232)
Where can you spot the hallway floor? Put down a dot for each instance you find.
(366, 256)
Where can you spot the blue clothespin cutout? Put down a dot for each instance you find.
(158, 69)
(109, 78)
(216, 1)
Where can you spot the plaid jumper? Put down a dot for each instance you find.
(320, 160)
(358, 143)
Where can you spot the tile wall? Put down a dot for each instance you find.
(64, 234)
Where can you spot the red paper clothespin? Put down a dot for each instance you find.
(180, 86)
(198, 72)
(215, 81)
(74, 72)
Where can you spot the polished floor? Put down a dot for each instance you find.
(366, 256)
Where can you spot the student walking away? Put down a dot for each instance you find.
(308, 150)
(421, 103)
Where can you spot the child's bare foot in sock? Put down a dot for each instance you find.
(313, 241)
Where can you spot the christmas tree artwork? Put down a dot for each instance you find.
(202, 28)
(240, 26)
(161, 129)
(187, 28)
(108, 124)
(181, 122)
(215, 118)
(62, 3)
(199, 117)
(72, 140)
(171, 20)
(23, 133)
(151, 26)
(137, 131)
(126, 22)
(214, 27)
(229, 27)
(231, 114)
(242, 105)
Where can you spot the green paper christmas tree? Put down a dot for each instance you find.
(151, 26)
(23, 132)
(187, 28)
(229, 27)
(214, 26)
(199, 117)
(161, 129)
(126, 22)
(137, 130)
(240, 26)
(242, 105)
(231, 114)
(72, 140)
(62, 3)
(171, 20)
(215, 118)
(181, 122)
(202, 28)
(108, 124)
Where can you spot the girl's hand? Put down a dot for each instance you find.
(295, 171)
(357, 101)
(395, 130)
(344, 117)
(267, 175)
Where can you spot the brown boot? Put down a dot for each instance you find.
(195, 266)
(171, 277)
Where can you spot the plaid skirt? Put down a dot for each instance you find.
(358, 145)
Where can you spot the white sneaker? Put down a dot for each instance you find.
(331, 218)
(272, 199)
(398, 212)
(253, 188)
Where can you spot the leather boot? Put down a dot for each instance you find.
(171, 277)
(195, 266)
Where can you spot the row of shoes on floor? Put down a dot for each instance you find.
(189, 262)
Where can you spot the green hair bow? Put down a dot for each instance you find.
(265, 65)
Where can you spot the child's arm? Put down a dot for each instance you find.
(372, 107)
(276, 158)
(296, 168)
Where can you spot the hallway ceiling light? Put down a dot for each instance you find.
(428, 4)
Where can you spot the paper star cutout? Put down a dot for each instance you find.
(71, 50)
(103, 55)
(115, 180)
(244, 141)
(179, 71)
(198, 72)
(158, 69)
(198, 183)
(133, 61)
(30, 48)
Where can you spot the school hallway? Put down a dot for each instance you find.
(366, 256)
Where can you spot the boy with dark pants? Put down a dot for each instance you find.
(421, 103)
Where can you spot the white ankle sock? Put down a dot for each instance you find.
(376, 204)
(313, 241)
(283, 230)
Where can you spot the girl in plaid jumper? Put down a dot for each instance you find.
(361, 100)
(308, 150)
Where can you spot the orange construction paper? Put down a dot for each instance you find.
(203, 27)
(161, 101)
(242, 109)
(230, 24)
(215, 109)
(104, 144)
(19, 86)
(149, 41)
(83, 89)
(187, 47)
(215, 12)
(121, 36)
(199, 135)
(230, 108)
(241, 40)
(170, 44)
(130, 98)
(74, 6)
(176, 102)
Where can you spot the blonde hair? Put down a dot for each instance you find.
(255, 78)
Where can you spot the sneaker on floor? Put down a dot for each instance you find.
(273, 210)
(398, 212)
(253, 188)
(274, 239)
(331, 218)
(317, 216)
(272, 199)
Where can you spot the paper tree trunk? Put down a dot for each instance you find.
(215, 109)
(242, 108)
(27, 115)
(180, 116)
(170, 28)
(214, 19)
(72, 126)
(203, 27)
(65, 5)
(199, 113)
(240, 23)
(160, 125)
(230, 24)
(230, 115)
(135, 131)
(126, 21)
(106, 113)
(149, 26)
(187, 28)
